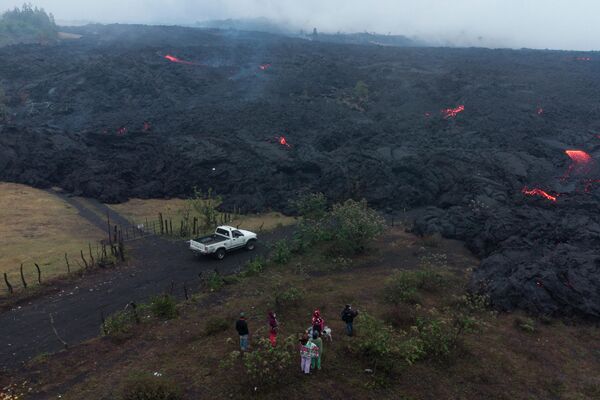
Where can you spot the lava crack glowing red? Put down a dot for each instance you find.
(538, 192)
(283, 141)
(453, 112)
(579, 156)
(264, 67)
(177, 60)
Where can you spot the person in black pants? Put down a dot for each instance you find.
(241, 326)
(348, 315)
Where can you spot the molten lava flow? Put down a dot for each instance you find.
(283, 141)
(264, 67)
(453, 112)
(579, 156)
(584, 58)
(121, 131)
(177, 60)
(538, 192)
(540, 111)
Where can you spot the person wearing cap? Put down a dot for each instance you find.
(316, 358)
(241, 326)
(348, 315)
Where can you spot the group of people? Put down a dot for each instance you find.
(311, 342)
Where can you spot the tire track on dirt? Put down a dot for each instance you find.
(155, 264)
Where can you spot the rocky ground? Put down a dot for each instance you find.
(110, 117)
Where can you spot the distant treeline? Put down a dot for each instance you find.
(27, 24)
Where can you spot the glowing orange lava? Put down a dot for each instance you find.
(177, 60)
(453, 112)
(264, 67)
(579, 156)
(538, 192)
(283, 141)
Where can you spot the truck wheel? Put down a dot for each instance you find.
(250, 245)
(220, 254)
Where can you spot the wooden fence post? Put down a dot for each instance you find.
(83, 258)
(185, 291)
(23, 278)
(91, 256)
(116, 237)
(68, 266)
(109, 230)
(160, 219)
(8, 285)
(39, 271)
(171, 226)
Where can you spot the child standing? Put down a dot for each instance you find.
(316, 359)
(307, 350)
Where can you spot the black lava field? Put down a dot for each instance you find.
(498, 148)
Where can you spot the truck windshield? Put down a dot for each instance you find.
(222, 232)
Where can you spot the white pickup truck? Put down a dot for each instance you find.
(225, 238)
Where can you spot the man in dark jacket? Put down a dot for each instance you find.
(241, 326)
(348, 316)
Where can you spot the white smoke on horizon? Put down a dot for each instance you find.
(554, 24)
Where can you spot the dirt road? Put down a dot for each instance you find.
(156, 265)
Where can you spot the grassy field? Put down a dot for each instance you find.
(138, 211)
(38, 227)
(508, 356)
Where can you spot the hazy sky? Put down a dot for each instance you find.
(557, 24)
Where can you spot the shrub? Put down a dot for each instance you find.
(148, 386)
(213, 281)
(439, 337)
(361, 91)
(525, 324)
(377, 340)
(353, 225)
(312, 206)
(118, 324)
(216, 325)
(402, 288)
(289, 298)
(266, 365)
(281, 252)
(254, 267)
(163, 306)
(402, 315)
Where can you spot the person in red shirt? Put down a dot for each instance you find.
(318, 323)
(273, 328)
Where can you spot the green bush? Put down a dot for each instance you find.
(281, 252)
(213, 281)
(146, 386)
(163, 306)
(361, 91)
(376, 339)
(439, 337)
(216, 325)
(119, 324)
(266, 365)
(312, 206)
(254, 267)
(402, 288)
(289, 298)
(525, 324)
(353, 225)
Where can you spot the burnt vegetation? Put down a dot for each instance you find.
(108, 116)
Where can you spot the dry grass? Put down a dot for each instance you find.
(500, 362)
(37, 227)
(140, 210)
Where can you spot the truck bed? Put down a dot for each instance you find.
(208, 240)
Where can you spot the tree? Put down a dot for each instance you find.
(27, 24)
(353, 225)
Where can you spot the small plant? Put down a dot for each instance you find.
(353, 225)
(289, 298)
(163, 306)
(216, 325)
(254, 267)
(525, 324)
(266, 365)
(439, 337)
(281, 252)
(119, 324)
(361, 91)
(213, 281)
(377, 342)
(402, 288)
(146, 386)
